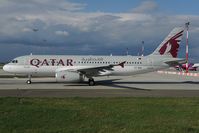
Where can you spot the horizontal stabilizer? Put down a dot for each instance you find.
(175, 62)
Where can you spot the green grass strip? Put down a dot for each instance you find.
(99, 115)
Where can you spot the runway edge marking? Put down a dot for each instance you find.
(179, 73)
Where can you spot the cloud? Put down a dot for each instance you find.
(42, 5)
(62, 33)
(26, 30)
(66, 25)
(146, 7)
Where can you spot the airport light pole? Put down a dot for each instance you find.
(142, 48)
(187, 47)
(127, 51)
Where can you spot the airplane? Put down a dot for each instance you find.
(191, 67)
(73, 68)
(196, 65)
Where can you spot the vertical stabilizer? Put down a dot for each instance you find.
(170, 46)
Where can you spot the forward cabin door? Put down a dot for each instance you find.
(28, 67)
(27, 62)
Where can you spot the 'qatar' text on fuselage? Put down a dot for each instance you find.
(51, 62)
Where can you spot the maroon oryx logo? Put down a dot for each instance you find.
(171, 46)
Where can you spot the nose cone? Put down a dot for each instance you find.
(6, 68)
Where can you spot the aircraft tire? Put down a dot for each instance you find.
(28, 81)
(91, 82)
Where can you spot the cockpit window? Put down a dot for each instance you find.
(14, 61)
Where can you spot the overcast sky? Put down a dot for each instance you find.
(93, 27)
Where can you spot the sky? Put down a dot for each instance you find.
(93, 27)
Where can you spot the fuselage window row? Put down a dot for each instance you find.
(81, 62)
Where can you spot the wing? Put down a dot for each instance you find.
(99, 70)
(94, 71)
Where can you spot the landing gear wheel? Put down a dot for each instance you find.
(28, 82)
(29, 79)
(91, 82)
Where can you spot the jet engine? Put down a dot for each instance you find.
(68, 76)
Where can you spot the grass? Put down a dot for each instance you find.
(99, 115)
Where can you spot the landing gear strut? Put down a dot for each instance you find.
(91, 82)
(29, 79)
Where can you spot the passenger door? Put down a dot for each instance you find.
(28, 67)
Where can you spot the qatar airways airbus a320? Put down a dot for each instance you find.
(72, 68)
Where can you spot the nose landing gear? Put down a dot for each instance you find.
(29, 79)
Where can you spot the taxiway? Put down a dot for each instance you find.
(146, 85)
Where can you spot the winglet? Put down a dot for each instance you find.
(122, 64)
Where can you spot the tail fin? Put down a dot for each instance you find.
(170, 46)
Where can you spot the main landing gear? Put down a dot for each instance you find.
(29, 80)
(91, 82)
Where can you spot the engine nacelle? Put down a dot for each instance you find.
(68, 76)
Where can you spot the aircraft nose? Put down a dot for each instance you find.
(6, 68)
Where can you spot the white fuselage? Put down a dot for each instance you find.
(44, 65)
